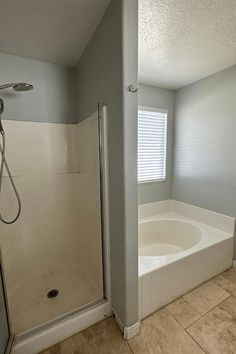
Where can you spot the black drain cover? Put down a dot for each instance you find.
(52, 293)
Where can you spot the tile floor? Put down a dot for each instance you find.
(202, 321)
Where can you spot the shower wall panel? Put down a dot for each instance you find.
(56, 243)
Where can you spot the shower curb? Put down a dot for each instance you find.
(62, 330)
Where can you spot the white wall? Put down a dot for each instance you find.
(151, 96)
(53, 98)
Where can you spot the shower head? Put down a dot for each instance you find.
(18, 86)
(23, 86)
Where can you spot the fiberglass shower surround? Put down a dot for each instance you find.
(56, 243)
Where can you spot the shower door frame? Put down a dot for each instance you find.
(102, 307)
(104, 197)
(11, 338)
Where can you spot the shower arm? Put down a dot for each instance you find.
(17, 86)
(5, 86)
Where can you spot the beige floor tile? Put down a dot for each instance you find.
(207, 296)
(53, 350)
(161, 334)
(183, 312)
(102, 338)
(216, 331)
(227, 281)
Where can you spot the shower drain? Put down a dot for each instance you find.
(52, 293)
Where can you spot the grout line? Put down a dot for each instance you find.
(200, 314)
(205, 282)
(204, 350)
(123, 340)
(180, 323)
(130, 347)
(203, 315)
(187, 332)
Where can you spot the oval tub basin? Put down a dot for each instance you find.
(165, 237)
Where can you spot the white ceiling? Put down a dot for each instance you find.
(182, 41)
(51, 30)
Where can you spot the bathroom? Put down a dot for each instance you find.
(118, 207)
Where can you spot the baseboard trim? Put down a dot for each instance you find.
(128, 332)
(60, 331)
(131, 331)
(234, 263)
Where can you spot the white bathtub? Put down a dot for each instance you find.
(163, 237)
(180, 247)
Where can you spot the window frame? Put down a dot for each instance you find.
(160, 110)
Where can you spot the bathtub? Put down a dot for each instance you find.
(180, 247)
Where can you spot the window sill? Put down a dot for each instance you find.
(152, 181)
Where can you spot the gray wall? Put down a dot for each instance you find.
(130, 104)
(53, 98)
(151, 96)
(205, 143)
(102, 74)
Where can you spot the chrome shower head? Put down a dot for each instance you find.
(18, 86)
(23, 86)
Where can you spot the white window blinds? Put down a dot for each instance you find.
(152, 135)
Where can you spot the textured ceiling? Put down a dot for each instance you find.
(182, 41)
(51, 30)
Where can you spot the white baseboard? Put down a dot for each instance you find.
(234, 263)
(128, 332)
(131, 331)
(57, 333)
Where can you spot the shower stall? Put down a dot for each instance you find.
(55, 255)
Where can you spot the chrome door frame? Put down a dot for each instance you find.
(11, 339)
(104, 202)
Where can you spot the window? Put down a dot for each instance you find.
(152, 135)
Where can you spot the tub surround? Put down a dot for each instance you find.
(205, 216)
(165, 277)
